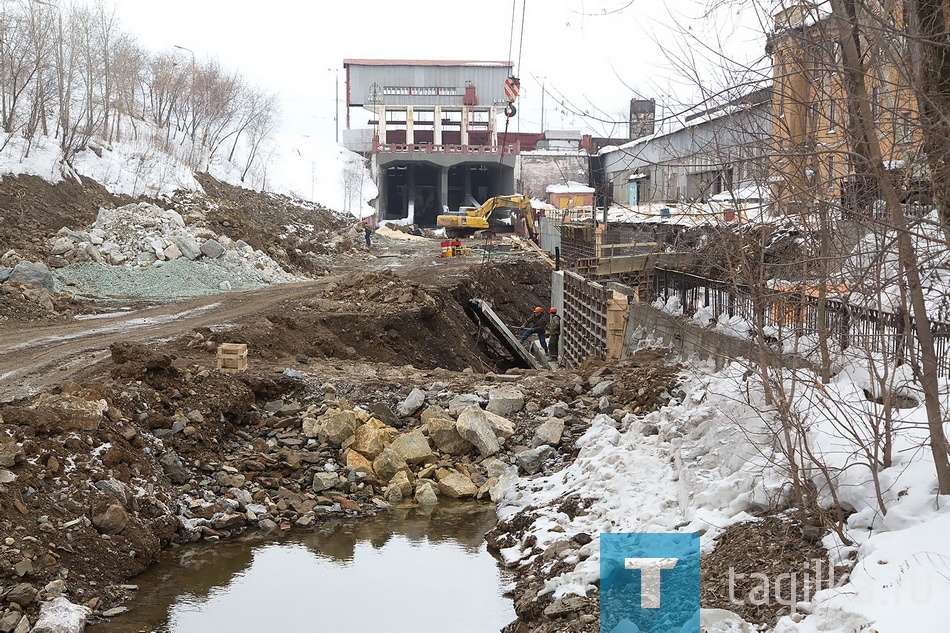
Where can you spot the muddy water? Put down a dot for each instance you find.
(403, 571)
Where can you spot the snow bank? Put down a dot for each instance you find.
(301, 167)
(697, 473)
(705, 463)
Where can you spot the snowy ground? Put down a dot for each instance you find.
(301, 167)
(703, 472)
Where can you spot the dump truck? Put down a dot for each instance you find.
(471, 219)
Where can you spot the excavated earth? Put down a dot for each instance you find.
(135, 443)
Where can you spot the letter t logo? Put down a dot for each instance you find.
(649, 578)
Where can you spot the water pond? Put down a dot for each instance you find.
(406, 570)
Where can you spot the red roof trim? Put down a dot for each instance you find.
(423, 62)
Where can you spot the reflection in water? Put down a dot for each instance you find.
(407, 570)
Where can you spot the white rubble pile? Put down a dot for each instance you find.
(144, 238)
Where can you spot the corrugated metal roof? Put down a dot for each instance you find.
(422, 62)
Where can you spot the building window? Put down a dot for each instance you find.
(832, 114)
(421, 91)
(876, 103)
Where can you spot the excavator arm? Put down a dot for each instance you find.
(469, 220)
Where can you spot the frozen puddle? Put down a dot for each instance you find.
(404, 571)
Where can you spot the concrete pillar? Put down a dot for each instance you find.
(444, 188)
(410, 127)
(437, 126)
(493, 126)
(381, 117)
(411, 195)
(464, 125)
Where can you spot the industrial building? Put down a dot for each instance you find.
(432, 133)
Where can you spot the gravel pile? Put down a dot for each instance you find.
(141, 250)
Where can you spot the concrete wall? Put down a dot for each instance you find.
(649, 327)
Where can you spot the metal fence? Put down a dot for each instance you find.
(784, 313)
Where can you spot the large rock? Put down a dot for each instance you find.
(117, 489)
(371, 438)
(456, 485)
(502, 426)
(412, 403)
(384, 413)
(474, 427)
(388, 463)
(413, 447)
(9, 621)
(11, 453)
(5, 273)
(333, 427)
(57, 413)
(171, 252)
(433, 411)
(401, 479)
(505, 400)
(23, 594)
(446, 436)
(325, 481)
(212, 249)
(174, 468)
(549, 433)
(33, 274)
(358, 463)
(188, 246)
(111, 520)
(460, 403)
(61, 246)
(392, 494)
(426, 494)
(603, 388)
(61, 616)
(530, 462)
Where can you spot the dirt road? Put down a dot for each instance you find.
(34, 358)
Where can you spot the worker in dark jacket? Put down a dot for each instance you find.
(554, 332)
(536, 324)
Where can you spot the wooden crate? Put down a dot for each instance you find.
(232, 358)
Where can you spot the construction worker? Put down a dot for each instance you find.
(536, 324)
(554, 332)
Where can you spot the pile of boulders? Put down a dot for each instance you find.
(143, 235)
(335, 457)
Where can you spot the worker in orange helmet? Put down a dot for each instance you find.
(536, 324)
(554, 332)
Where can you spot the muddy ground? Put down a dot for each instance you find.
(132, 442)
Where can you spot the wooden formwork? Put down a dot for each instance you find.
(584, 321)
(232, 358)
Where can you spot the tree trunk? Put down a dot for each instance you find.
(869, 162)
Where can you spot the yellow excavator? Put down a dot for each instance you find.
(471, 219)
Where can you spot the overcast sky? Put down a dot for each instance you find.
(594, 55)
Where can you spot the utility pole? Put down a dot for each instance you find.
(336, 102)
(543, 82)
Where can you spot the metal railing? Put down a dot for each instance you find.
(784, 313)
(452, 148)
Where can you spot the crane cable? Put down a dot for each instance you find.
(512, 86)
(510, 112)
